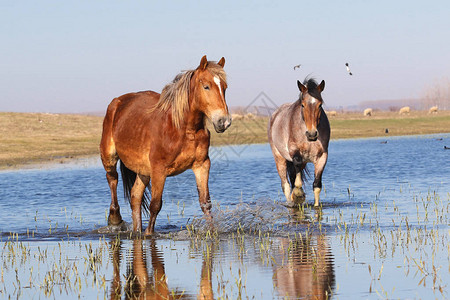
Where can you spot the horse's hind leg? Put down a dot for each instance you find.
(158, 180)
(109, 160)
(319, 166)
(114, 217)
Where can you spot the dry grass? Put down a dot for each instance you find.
(345, 125)
(355, 125)
(244, 131)
(28, 138)
(32, 138)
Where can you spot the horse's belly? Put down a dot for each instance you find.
(308, 157)
(138, 163)
(183, 162)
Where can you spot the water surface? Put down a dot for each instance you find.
(382, 231)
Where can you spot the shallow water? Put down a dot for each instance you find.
(383, 230)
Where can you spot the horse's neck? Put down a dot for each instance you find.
(296, 121)
(296, 116)
(195, 120)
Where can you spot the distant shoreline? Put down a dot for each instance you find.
(88, 160)
(33, 140)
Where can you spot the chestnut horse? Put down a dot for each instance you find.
(159, 135)
(299, 133)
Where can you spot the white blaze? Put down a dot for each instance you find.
(217, 81)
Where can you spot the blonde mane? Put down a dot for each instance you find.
(175, 95)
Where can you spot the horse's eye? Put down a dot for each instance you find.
(320, 106)
(303, 105)
(206, 87)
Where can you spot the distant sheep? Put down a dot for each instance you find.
(404, 110)
(368, 112)
(433, 110)
(236, 117)
(331, 113)
(250, 116)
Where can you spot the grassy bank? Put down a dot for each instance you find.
(355, 125)
(346, 125)
(33, 138)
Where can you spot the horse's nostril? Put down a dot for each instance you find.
(222, 123)
(312, 134)
(227, 122)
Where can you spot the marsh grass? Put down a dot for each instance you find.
(414, 244)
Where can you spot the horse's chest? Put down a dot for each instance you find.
(192, 151)
(310, 151)
(183, 161)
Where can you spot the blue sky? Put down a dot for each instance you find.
(76, 56)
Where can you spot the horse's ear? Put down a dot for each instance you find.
(301, 87)
(321, 86)
(203, 63)
(221, 62)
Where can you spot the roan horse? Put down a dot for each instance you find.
(159, 135)
(299, 133)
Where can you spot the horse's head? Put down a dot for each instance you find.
(311, 102)
(208, 85)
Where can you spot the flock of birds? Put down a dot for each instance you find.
(346, 66)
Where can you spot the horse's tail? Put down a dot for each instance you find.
(128, 179)
(291, 174)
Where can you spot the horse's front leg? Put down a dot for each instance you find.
(158, 180)
(281, 165)
(319, 166)
(201, 172)
(298, 195)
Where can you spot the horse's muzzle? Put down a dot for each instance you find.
(222, 123)
(312, 135)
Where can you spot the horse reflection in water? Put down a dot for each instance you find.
(306, 270)
(139, 285)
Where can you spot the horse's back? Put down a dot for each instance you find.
(278, 118)
(278, 130)
(134, 104)
(128, 108)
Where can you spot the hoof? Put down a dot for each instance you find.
(122, 227)
(208, 216)
(148, 232)
(114, 220)
(298, 196)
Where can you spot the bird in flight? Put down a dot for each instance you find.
(297, 66)
(348, 69)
